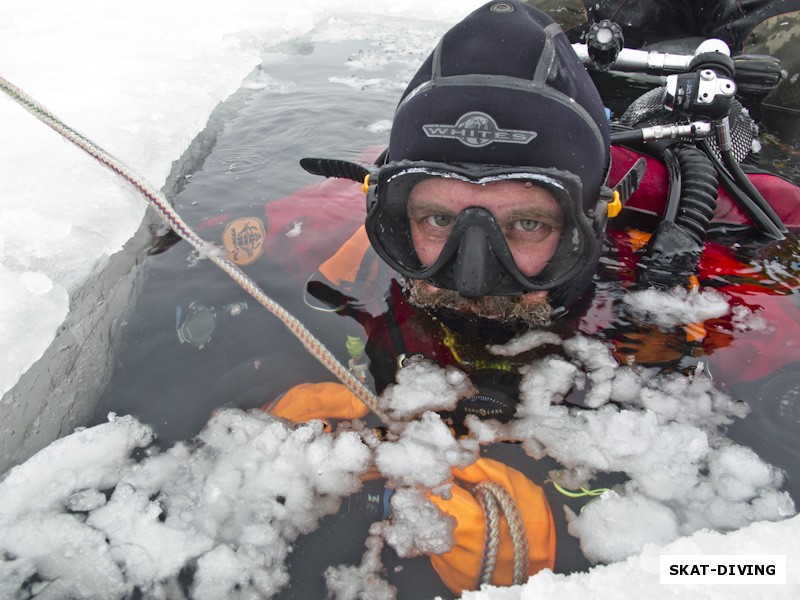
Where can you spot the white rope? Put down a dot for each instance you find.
(206, 249)
(492, 495)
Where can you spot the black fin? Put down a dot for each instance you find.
(331, 167)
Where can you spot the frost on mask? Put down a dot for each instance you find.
(664, 431)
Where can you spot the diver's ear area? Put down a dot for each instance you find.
(331, 167)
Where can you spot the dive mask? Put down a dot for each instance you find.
(475, 259)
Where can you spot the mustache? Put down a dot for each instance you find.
(534, 312)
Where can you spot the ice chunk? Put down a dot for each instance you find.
(424, 453)
(417, 526)
(678, 306)
(347, 582)
(421, 386)
(223, 508)
(601, 522)
(525, 342)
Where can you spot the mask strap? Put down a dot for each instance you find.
(625, 187)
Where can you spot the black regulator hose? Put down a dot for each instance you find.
(753, 204)
(674, 249)
(698, 195)
(674, 186)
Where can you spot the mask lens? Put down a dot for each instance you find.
(527, 216)
(530, 223)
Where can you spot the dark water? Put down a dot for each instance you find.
(254, 161)
(290, 109)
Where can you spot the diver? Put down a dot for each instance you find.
(487, 216)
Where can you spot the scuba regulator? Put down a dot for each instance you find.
(696, 125)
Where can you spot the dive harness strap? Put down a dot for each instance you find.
(631, 180)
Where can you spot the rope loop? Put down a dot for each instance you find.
(495, 499)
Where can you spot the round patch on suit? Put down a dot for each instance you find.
(244, 240)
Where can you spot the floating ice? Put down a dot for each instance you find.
(102, 512)
(424, 453)
(232, 501)
(418, 527)
(360, 83)
(744, 319)
(661, 430)
(423, 386)
(382, 126)
(677, 306)
(348, 582)
(527, 341)
(643, 520)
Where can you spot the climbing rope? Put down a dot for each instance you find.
(494, 499)
(204, 248)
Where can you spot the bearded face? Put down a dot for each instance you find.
(532, 310)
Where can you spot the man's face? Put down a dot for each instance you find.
(529, 217)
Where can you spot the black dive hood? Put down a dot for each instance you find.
(505, 87)
(503, 93)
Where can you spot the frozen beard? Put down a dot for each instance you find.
(530, 310)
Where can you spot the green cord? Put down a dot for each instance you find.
(570, 494)
(581, 494)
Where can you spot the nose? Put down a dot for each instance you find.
(477, 270)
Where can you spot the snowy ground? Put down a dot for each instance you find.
(140, 78)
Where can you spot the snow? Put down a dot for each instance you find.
(638, 576)
(664, 431)
(102, 511)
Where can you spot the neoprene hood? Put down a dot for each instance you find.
(504, 87)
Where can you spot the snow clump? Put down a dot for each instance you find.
(663, 431)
